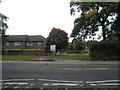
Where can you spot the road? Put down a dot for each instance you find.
(40, 76)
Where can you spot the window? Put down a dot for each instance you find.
(7, 43)
(17, 43)
(29, 43)
(39, 43)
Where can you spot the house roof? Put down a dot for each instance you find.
(25, 38)
(36, 38)
(16, 37)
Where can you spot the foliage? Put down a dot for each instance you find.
(3, 24)
(79, 46)
(116, 24)
(93, 15)
(76, 47)
(105, 50)
(57, 37)
(3, 27)
(71, 46)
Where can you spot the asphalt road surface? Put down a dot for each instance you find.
(41, 76)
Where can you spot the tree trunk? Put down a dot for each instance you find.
(103, 33)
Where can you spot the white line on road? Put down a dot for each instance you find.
(85, 69)
(105, 81)
(15, 83)
(72, 68)
(16, 87)
(106, 84)
(17, 80)
(95, 68)
(62, 84)
(5, 87)
(60, 81)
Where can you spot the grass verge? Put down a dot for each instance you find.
(5, 57)
(75, 56)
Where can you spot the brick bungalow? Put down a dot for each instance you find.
(25, 45)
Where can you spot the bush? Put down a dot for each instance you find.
(80, 45)
(105, 50)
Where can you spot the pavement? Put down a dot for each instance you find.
(60, 61)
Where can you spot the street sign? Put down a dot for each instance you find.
(52, 47)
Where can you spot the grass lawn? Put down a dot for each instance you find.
(5, 57)
(75, 56)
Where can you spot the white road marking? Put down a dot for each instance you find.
(17, 80)
(95, 68)
(60, 81)
(83, 68)
(32, 84)
(105, 81)
(5, 87)
(15, 87)
(106, 84)
(62, 84)
(72, 68)
(27, 87)
(15, 83)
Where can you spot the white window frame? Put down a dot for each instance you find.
(29, 43)
(39, 43)
(17, 43)
(7, 43)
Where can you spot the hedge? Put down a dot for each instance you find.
(105, 50)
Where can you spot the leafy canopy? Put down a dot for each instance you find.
(3, 24)
(57, 37)
(92, 16)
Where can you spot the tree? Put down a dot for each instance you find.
(79, 45)
(3, 27)
(93, 15)
(3, 24)
(57, 37)
(116, 24)
(71, 46)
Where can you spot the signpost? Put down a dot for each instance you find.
(53, 49)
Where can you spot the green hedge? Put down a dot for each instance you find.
(105, 50)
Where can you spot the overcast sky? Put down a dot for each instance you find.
(37, 17)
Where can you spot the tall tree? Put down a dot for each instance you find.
(3, 24)
(3, 27)
(57, 37)
(116, 25)
(92, 16)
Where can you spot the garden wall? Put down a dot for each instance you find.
(26, 52)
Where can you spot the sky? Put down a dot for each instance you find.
(37, 17)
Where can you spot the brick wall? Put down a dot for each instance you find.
(26, 52)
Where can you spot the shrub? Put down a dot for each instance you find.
(105, 50)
